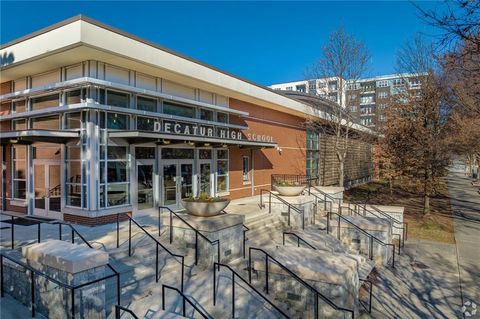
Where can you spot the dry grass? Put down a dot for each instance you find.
(437, 226)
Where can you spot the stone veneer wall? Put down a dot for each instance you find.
(359, 166)
(52, 300)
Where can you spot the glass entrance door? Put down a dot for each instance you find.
(47, 188)
(177, 182)
(145, 186)
(205, 179)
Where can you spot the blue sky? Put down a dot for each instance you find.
(266, 42)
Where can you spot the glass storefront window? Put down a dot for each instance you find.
(117, 152)
(222, 171)
(19, 171)
(18, 125)
(206, 115)
(118, 121)
(114, 176)
(178, 110)
(73, 120)
(177, 153)
(75, 179)
(117, 172)
(74, 97)
(145, 124)
(46, 123)
(144, 152)
(44, 102)
(222, 117)
(146, 104)
(204, 154)
(19, 106)
(117, 194)
(118, 99)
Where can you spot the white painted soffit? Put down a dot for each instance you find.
(74, 39)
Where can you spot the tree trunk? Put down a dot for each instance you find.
(341, 172)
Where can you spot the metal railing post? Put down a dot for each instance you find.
(338, 228)
(156, 263)
(183, 306)
(324, 202)
(288, 215)
(183, 272)
(266, 274)
(117, 312)
(163, 297)
(118, 288)
(118, 231)
(249, 265)
(269, 203)
(60, 231)
(328, 222)
(72, 234)
(39, 235)
(171, 227)
(315, 309)
(129, 237)
(218, 253)
(244, 240)
(196, 248)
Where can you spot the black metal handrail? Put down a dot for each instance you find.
(356, 212)
(119, 309)
(60, 223)
(290, 206)
(372, 237)
(157, 245)
(185, 299)
(370, 293)
(324, 200)
(404, 224)
(236, 275)
(197, 232)
(269, 257)
(245, 230)
(34, 272)
(299, 239)
(325, 196)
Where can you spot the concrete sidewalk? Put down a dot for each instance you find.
(465, 201)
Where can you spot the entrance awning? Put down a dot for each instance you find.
(33, 135)
(140, 137)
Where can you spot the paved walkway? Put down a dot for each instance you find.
(465, 201)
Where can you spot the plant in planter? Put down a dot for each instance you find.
(205, 205)
(288, 188)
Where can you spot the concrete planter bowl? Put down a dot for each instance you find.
(205, 209)
(289, 190)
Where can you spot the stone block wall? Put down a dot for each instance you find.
(53, 300)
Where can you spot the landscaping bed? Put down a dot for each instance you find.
(436, 226)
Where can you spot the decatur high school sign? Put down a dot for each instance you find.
(188, 129)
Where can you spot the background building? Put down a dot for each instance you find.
(366, 98)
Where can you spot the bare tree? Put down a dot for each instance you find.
(415, 128)
(458, 19)
(343, 58)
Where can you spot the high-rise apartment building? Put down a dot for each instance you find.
(366, 98)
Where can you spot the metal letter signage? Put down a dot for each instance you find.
(208, 131)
